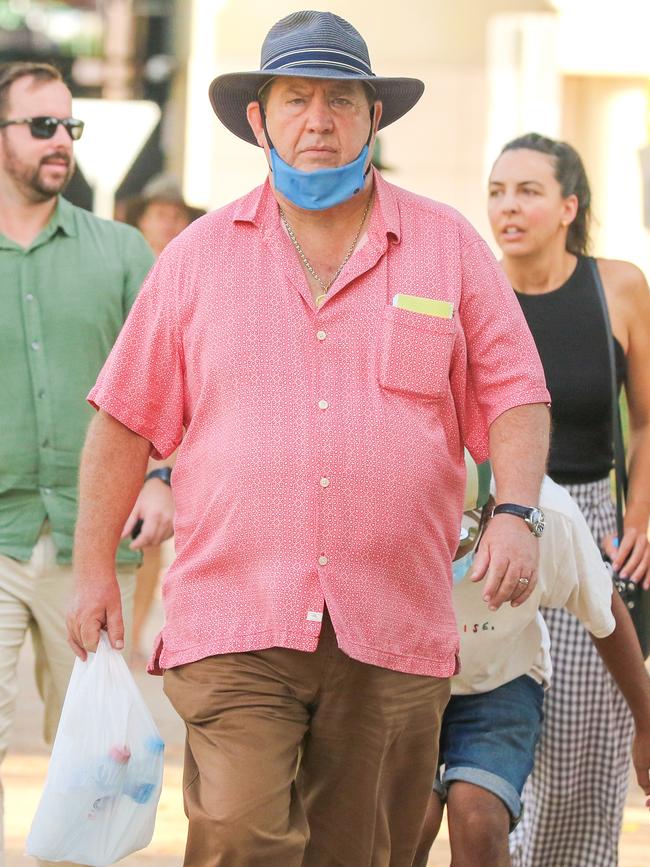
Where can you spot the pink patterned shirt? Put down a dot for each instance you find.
(322, 459)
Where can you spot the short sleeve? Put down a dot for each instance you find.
(142, 381)
(582, 583)
(503, 365)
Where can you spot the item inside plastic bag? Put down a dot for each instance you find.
(105, 774)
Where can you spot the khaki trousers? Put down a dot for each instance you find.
(308, 759)
(34, 597)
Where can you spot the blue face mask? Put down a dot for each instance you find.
(322, 188)
(460, 568)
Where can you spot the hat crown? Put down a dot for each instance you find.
(163, 186)
(310, 44)
(309, 38)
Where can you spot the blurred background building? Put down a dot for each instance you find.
(577, 69)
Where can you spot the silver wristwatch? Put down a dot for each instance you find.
(533, 517)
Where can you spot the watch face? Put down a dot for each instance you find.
(536, 521)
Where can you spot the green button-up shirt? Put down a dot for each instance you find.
(63, 301)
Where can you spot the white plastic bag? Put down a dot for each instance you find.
(105, 775)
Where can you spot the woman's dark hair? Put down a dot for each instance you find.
(571, 175)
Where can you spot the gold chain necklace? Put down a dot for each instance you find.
(324, 286)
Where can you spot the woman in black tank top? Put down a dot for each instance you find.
(539, 211)
(567, 324)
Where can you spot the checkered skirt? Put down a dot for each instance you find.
(574, 798)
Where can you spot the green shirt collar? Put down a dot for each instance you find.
(63, 219)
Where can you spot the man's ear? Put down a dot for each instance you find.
(254, 117)
(376, 117)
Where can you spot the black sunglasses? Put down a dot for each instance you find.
(45, 127)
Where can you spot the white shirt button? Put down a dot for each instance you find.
(323, 404)
(29, 297)
(36, 345)
(321, 335)
(324, 482)
(322, 561)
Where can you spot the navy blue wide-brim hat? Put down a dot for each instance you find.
(311, 45)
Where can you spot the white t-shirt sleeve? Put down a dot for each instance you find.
(582, 582)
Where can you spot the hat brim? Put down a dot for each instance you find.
(232, 92)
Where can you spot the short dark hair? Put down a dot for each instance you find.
(12, 71)
(570, 173)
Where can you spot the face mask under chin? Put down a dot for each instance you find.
(322, 188)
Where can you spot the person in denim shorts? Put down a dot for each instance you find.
(493, 721)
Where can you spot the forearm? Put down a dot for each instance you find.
(621, 654)
(637, 510)
(519, 441)
(509, 554)
(113, 465)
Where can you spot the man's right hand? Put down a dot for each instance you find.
(95, 606)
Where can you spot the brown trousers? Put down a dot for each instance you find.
(300, 759)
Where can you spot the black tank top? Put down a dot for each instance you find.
(568, 328)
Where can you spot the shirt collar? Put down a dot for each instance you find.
(63, 219)
(253, 207)
(386, 200)
(260, 205)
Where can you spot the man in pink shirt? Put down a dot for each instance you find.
(319, 352)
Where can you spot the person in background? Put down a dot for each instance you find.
(160, 213)
(493, 720)
(309, 635)
(67, 281)
(539, 209)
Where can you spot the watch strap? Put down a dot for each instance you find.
(162, 473)
(513, 509)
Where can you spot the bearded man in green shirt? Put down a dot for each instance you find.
(67, 282)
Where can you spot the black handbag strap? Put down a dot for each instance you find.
(620, 469)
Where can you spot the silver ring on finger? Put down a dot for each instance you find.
(524, 582)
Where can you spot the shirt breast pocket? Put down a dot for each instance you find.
(415, 353)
